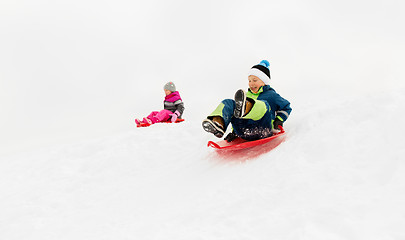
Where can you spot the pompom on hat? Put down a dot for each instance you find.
(170, 86)
(261, 71)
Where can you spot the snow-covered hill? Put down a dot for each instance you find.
(75, 75)
(340, 176)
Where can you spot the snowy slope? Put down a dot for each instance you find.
(328, 180)
(75, 74)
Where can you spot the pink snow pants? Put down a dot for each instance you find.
(161, 116)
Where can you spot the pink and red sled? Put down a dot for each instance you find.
(142, 124)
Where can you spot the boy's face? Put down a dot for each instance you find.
(167, 92)
(255, 83)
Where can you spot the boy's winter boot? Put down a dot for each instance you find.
(240, 103)
(214, 126)
(249, 104)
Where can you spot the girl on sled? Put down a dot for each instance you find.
(173, 108)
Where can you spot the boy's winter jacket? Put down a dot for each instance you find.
(278, 105)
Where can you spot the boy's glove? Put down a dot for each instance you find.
(277, 122)
(174, 116)
(231, 136)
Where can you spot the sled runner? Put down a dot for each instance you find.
(240, 143)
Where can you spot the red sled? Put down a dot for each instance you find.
(240, 143)
(142, 124)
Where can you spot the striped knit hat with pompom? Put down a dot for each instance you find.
(261, 71)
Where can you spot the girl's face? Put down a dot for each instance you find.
(255, 83)
(167, 92)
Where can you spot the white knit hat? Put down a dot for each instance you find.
(261, 71)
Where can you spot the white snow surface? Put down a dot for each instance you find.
(75, 75)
